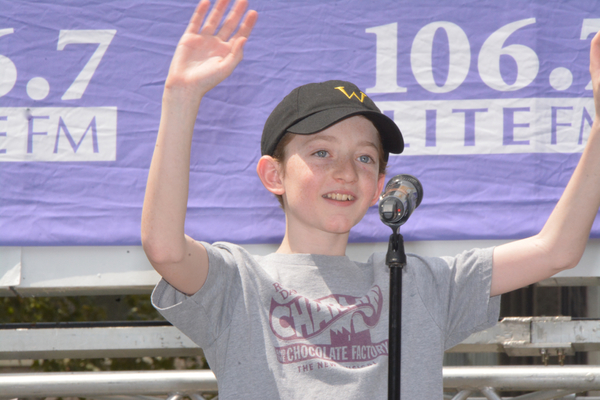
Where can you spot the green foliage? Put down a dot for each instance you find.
(92, 309)
(119, 364)
(139, 308)
(50, 309)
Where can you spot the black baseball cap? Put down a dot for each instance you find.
(313, 107)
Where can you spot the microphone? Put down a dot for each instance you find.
(402, 194)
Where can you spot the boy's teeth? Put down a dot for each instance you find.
(339, 196)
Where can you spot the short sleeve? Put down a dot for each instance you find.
(204, 315)
(456, 293)
(470, 308)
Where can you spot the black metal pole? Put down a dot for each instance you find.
(396, 260)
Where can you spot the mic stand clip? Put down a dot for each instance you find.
(395, 257)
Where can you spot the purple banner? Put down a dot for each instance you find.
(493, 99)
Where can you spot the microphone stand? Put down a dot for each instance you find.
(402, 195)
(395, 260)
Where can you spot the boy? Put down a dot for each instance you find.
(306, 322)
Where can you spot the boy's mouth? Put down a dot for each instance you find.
(339, 196)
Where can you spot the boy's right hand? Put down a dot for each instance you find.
(207, 54)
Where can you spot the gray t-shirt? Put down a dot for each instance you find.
(302, 326)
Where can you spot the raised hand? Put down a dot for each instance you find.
(207, 54)
(561, 242)
(595, 72)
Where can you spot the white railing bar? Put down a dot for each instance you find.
(90, 384)
(187, 382)
(517, 336)
(529, 378)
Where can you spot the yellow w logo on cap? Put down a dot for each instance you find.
(361, 98)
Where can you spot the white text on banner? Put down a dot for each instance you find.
(58, 134)
(493, 126)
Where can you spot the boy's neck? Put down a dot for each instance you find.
(322, 243)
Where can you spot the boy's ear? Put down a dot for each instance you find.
(269, 172)
(380, 183)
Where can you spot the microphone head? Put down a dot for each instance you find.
(402, 194)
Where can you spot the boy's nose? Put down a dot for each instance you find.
(346, 170)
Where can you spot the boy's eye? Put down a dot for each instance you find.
(365, 159)
(321, 153)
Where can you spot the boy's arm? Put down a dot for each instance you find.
(203, 58)
(562, 240)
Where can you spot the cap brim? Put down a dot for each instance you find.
(389, 132)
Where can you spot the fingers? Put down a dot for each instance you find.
(595, 54)
(198, 17)
(247, 25)
(215, 17)
(595, 70)
(233, 19)
(237, 51)
(231, 23)
(241, 37)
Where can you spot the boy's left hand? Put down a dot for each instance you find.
(207, 54)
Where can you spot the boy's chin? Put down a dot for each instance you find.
(340, 227)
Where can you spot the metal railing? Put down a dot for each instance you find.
(102, 384)
(544, 383)
(520, 336)
(556, 336)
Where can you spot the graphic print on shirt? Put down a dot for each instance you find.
(334, 328)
